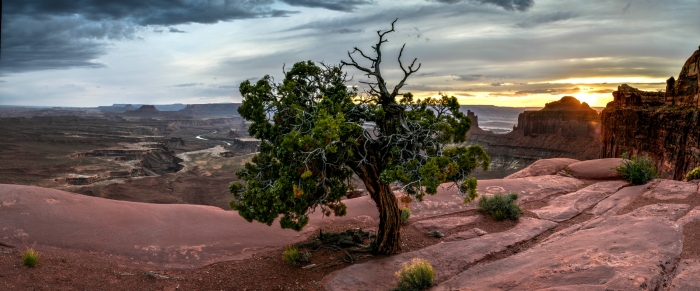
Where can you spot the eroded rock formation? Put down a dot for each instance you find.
(567, 117)
(664, 126)
(565, 128)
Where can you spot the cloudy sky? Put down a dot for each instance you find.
(501, 52)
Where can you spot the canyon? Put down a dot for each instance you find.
(565, 128)
(662, 125)
(137, 154)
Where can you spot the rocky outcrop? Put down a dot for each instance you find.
(475, 124)
(147, 109)
(563, 129)
(217, 109)
(643, 248)
(664, 126)
(567, 117)
(244, 145)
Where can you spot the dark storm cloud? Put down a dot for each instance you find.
(146, 12)
(346, 30)
(546, 18)
(473, 77)
(510, 5)
(60, 34)
(175, 30)
(381, 18)
(31, 43)
(337, 5)
(409, 87)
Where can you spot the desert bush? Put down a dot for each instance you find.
(636, 170)
(501, 206)
(405, 214)
(294, 256)
(694, 174)
(30, 258)
(416, 275)
(291, 255)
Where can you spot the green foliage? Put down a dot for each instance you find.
(405, 214)
(694, 174)
(30, 258)
(312, 128)
(417, 275)
(636, 170)
(469, 187)
(501, 206)
(291, 255)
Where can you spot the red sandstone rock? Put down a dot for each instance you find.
(445, 224)
(565, 207)
(611, 205)
(669, 189)
(624, 252)
(600, 169)
(668, 211)
(447, 259)
(661, 125)
(167, 236)
(566, 117)
(543, 167)
(562, 129)
(687, 277)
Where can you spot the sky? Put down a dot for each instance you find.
(517, 53)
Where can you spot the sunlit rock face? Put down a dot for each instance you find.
(664, 126)
(567, 117)
(565, 128)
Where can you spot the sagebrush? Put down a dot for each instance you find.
(405, 214)
(291, 255)
(636, 170)
(416, 275)
(694, 174)
(501, 206)
(30, 258)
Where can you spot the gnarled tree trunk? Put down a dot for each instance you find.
(388, 240)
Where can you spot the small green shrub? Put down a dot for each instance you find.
(30, 258)
(291, 255)
(694, 174)
(294, 257)
(636, 170)
(501, 206)
(414, 276)
(405, 214)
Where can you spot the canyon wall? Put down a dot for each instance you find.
(567, 117)
(562, 129)
(662, 125)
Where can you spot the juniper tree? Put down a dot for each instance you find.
(316, 132)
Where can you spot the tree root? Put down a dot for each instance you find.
(348, 241)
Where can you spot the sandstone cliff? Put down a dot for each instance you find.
(563, 129)
(567, 117)
(664, 126)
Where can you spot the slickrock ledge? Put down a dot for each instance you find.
(447, 258)
(621, 253)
